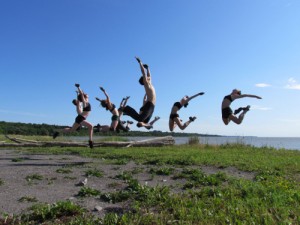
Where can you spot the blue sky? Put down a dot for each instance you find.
(190, 46)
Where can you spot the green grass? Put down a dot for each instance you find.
(64, 171)
(88, 192)
(34, 177)
(272, 197)
(28, 199)
(94, 173)
(17, 160)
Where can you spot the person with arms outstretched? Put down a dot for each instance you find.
(227, 113)
(147, 109)
(83, 108)
(108, 105)
(174, 119)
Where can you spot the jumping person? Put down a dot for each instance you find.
(174, 119)
(227, 113)
(83, 108)
(148, 125)
(147, 109)
(78, 108)
(108, 105)
(121, 124)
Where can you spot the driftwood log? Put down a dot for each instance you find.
(153, 142)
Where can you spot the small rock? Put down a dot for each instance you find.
(82, 183)
(98, 208)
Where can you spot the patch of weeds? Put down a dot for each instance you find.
(181, 162)
(137, 170)
(126, 176)
(196, 178)
(162, 171)
(51, 180)
(1, 182)
(267, 175)
(111, 218)
(94, 173)
(28, 199)
(194, 140)
(151, 196)
(115, 197)
(17, 160)
(114, 185)
(121, 161)
(64, 171)
(88, 192)
(33, 177)
(42, 213)
(154, 162)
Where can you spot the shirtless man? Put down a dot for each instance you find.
(227, 113)
(146, 111)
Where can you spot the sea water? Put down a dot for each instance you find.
(290, 143)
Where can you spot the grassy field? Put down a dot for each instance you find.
(272, 197)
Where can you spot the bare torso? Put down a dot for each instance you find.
(150, 92)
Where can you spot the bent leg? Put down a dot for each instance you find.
(238, 120)
(129, 111)
(90, 128)
(71, 129)
(172, 124)
(182, 126)
(226, 121)
(154, 120)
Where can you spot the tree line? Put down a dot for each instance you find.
(31, 129)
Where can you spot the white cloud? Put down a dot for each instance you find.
(292, 84)
(262, 85)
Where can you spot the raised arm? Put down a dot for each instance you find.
(106, 95)
(194, 96)
(250, 96)
(124, 101)
(78, 107)
(80, 92)
(141, 66)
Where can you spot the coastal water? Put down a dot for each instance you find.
(290, 143)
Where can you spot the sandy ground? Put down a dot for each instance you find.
(57, 186)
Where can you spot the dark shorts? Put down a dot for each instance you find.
(147, 111)
(226, 112)
(114, 118)
(174, 115)
(79, 119)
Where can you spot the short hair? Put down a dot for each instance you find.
(237, 91)
(80, 97)
(141, 80)
(104, 104)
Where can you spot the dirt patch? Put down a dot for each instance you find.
(42, 178)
